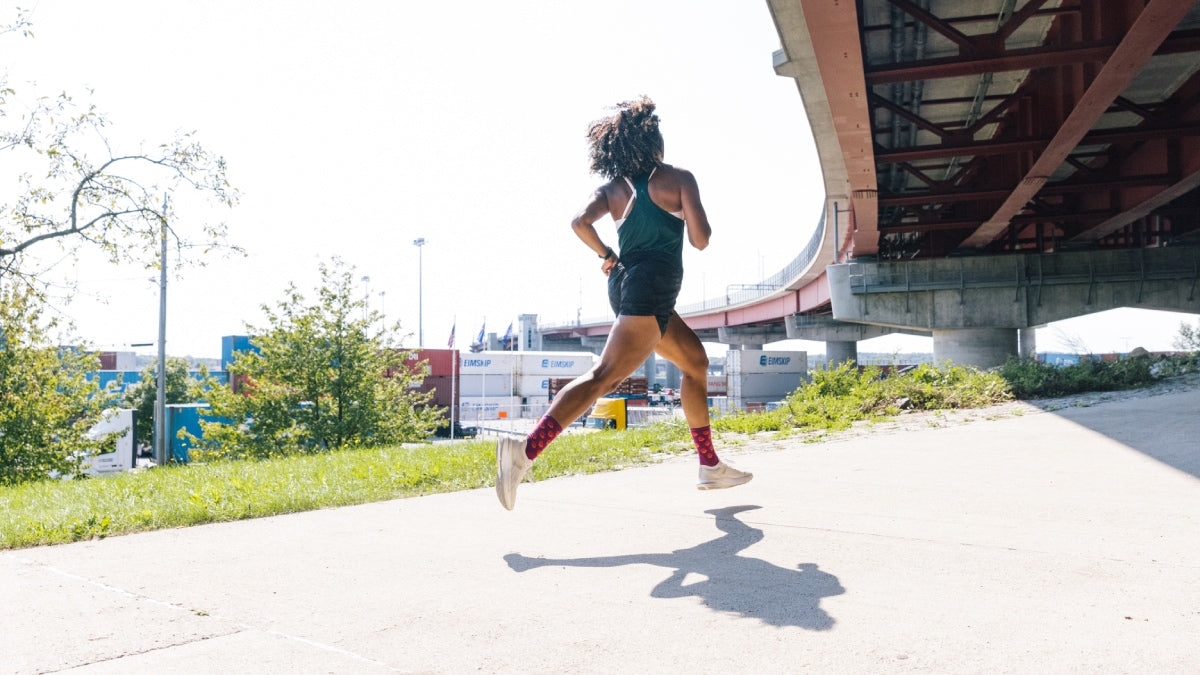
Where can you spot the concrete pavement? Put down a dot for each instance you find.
(1040, 542)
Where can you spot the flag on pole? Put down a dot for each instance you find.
(508, 336)
(481, 329)
(454, 326)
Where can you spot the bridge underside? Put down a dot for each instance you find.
(1005, 125)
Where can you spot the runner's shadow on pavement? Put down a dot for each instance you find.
(732, 583)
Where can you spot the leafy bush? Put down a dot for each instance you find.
(1032, 379)
(320, 380)
(47, 403)
(837, 397)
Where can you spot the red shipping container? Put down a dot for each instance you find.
(441, 361)
(442, 388)
(240, 384)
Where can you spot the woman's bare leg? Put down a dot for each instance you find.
(681, 346)
(629, 345)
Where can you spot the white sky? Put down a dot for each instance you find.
(352, 128)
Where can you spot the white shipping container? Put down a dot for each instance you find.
(533, 387)
(488, 363)
(718, 385)
(739, 362)
(555, 364)
(764, 386)
(485, 385)
(489, 408)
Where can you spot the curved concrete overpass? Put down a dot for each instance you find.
(1001, 147)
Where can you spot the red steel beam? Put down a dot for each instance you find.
(1149, 30)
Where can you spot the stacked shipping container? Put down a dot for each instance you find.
(501, 382)
(757, 377)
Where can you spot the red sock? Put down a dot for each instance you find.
(545, 431)
(702, 437)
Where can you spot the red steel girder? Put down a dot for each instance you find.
(1006, 146)
(1149, 30)
(1031, 58)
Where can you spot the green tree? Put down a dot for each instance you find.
(181, 388)
(1189, 337)
(319, 380)
(47, 402)
(74, 188)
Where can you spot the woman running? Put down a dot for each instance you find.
(652, 204)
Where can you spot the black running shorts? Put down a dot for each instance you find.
(646, 284)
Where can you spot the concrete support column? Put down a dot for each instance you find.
(650, 366)
(674, 376)
(838, 351)
(747, 346)
(979, 347)
(1027, 343)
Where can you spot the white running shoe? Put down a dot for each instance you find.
(511, 467)
(721, 476)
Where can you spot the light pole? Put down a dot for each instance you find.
(161, 452)
(420, 243)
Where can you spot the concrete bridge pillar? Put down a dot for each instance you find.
(674, 376)
(979, 347)
(1027, 343)
(840, 351)
(650, 367)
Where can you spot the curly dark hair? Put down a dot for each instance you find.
(627, 143)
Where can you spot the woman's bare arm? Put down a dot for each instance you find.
(582, 225)
(698, 228)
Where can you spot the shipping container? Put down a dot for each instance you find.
(444, 389)
(240, 384)
(118, 361)
(555, 364)
(764, 386)
(488, 363)
(717, 385)
(738, 362)
(441, 361)
(477, 408)
(533, 387)
(485, 385)
(230, 345)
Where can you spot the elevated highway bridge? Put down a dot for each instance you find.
(989, 166)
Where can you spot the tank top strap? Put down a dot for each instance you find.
(632, 196)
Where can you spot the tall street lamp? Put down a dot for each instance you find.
(420, 243)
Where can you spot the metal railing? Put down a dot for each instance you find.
(735, 294)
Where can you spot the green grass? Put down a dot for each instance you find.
(55, 512)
